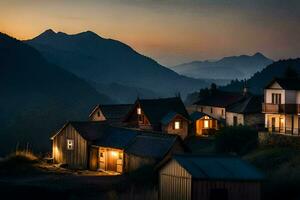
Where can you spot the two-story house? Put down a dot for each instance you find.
(166, 115)
(215, 103)
(281, 106)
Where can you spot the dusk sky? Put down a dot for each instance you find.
(170, 31)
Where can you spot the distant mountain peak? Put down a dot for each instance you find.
(49, 32)
(259, 55)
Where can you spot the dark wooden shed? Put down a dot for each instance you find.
(187, 177)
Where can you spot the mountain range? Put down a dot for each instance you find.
(228, 68)
(37, 97)
(259, 80)
(104, 62)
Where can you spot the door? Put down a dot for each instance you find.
(235, 121)
(112, 161)
(273, 121)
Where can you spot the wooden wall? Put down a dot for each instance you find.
(175, 183)
(76, 158)
(182, 132)
(236, 190)
(97, 115)
(93, 160)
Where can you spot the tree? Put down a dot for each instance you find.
(290, 72)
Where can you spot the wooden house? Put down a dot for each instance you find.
(215, 103)
(246, 112)
(100, 146)
(113, 113)
(166, 115)
(189, 177)
(204, 124)
(281, 106)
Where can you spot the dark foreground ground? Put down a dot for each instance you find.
(36, 180)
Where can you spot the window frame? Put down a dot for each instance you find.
(70, 144)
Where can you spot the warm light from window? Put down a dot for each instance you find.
(177, 125)
(70, 144)
(114, 153)
(206, 125)
(139, 111)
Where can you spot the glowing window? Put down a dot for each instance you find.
(139, 111)
(70, 144)
(206, 124)
(177, 125)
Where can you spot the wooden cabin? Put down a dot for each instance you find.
(204, 124)
(100, 146)
(113, 113)
(193, 177)
(246, 112)
(166, 115)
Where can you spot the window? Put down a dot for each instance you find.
(139, 111)
(101, 154)
(276, 98)
(211, 110)
(235, 121)
(206, 124)
(70, 144)
(98, 113)
(201, 109)
(177, 125)
(222, 112)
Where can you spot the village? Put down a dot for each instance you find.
(119, 139)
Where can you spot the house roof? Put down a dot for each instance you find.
(113, 112)
(152, 145)
(286, 83)
(249, 104)
(158, 109)
(137, 142)
(219, 99)
(214, 167)
(198, 115)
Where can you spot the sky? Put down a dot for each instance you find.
(170, 31)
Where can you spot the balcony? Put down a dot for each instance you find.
(281, 108)
(283, 130)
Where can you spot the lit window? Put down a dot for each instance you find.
(206, 124)
(70, 144)
(139, 111)
(177, 125)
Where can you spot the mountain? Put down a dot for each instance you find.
(37, 97)
(234, 67)
(259, 80)
(107, 61)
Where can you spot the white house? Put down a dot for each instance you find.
(281, 106)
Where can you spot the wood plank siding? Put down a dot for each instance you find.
(77, 156)
(175, 182)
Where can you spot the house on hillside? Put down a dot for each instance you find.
(189, 177)
(166, 115)
(216, 103)
(282, 106)
(100, 146)
(204, 124)
(113, 113)
(246, 112)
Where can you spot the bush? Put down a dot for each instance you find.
(236, 139)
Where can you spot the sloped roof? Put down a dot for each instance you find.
(249, 104)
(214, 167)
(286, 83)
(168, 117)
(113, 112)
(137, 142)
(219, 99)
(152, 145)
(198, 115)
(157, 109)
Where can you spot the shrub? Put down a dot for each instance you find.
(236, 139)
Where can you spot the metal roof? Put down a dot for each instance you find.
(249, 104)
(214, 167)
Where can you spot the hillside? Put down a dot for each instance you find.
(234, 67)
(106, 61)
(37, 97)
(260, 79)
